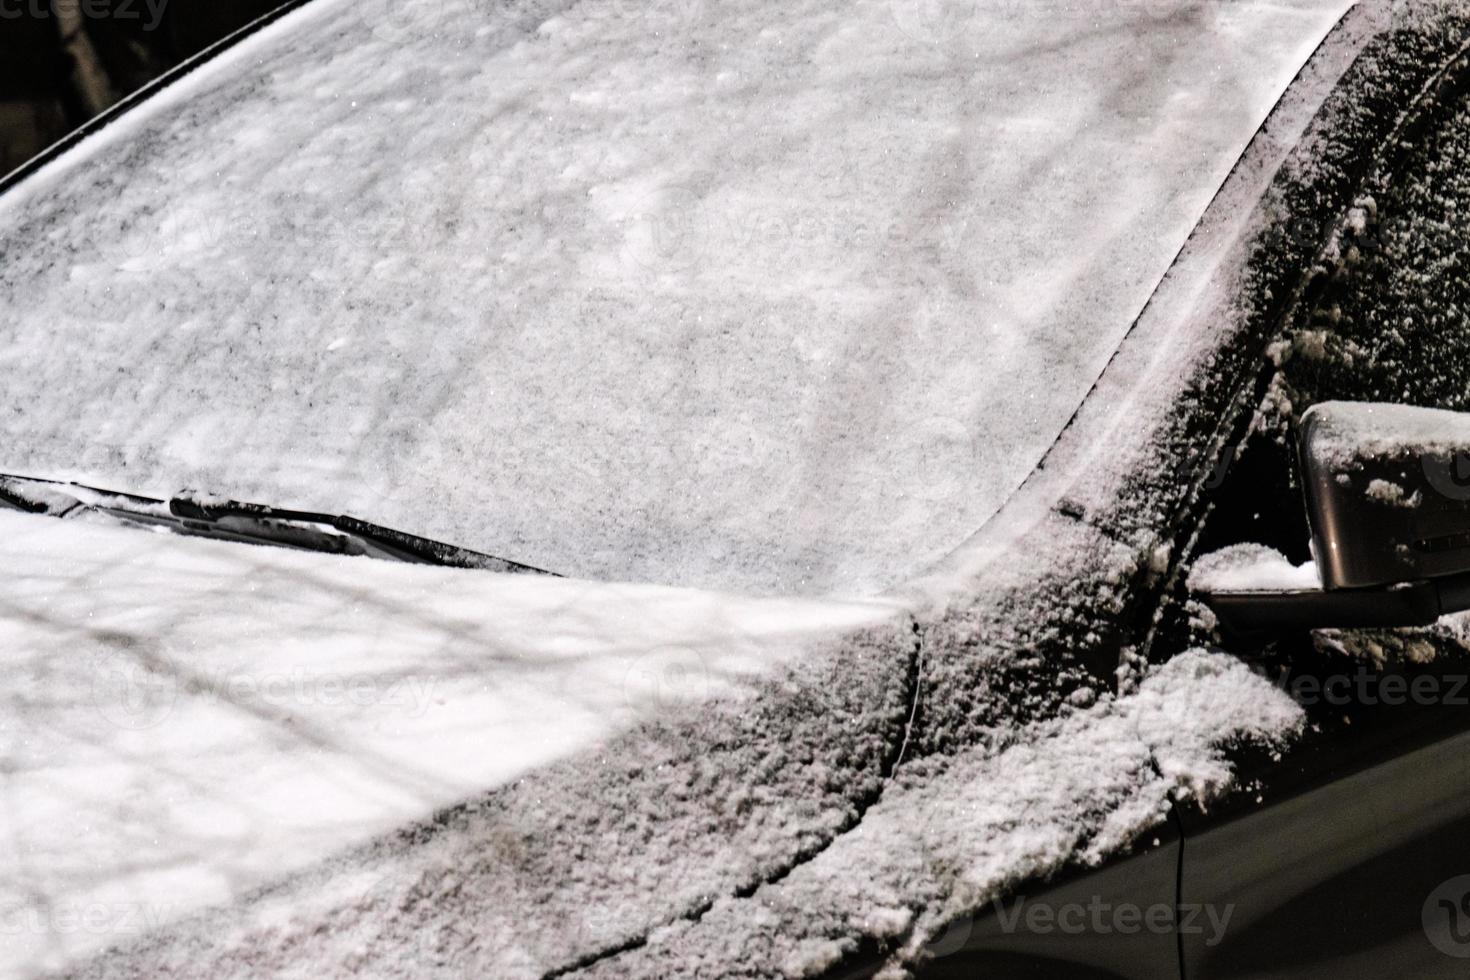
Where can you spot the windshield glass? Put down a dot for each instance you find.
(772, 297)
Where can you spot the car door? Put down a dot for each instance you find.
(1348, 855)
(1116, 922)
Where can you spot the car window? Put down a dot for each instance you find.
(776, 298)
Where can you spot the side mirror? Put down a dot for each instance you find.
(1388, 499)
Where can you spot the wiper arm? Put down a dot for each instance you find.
(230, 520)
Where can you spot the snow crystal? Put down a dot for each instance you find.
(1388, 492)
(1251, 568)
(814, 958)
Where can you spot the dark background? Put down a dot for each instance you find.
(55, 73)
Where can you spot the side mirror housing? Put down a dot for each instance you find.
(1388, 499)
(1388, 492)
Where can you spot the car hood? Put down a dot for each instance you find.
(186, 720)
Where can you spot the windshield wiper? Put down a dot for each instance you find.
(230, 520)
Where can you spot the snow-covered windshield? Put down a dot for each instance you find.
(774, 297)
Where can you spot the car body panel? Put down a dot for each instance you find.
(1096, 924)
(1329, 854)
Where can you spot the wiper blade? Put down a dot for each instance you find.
(204, 516)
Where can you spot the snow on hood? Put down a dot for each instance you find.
(969, 827)
(778, 297)
(186, 720)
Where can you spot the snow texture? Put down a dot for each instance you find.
(1391, 315)
(1073, 788)
(944, 839)
(674, 821)
(1448, 638)
(1251, 568)
(1392, 494)
(185, 721)
(976, 824)
(776, 297)
(1348, 432)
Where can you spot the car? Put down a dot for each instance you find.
(734, 490)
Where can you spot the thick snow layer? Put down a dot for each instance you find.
(1251, 568)
(1392, 326)
(1349, 431)
(184, 721)
(940, 843)
(782, 297)
(1075, 788)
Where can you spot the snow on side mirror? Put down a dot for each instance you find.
(1388, 492)
(1388, 499)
